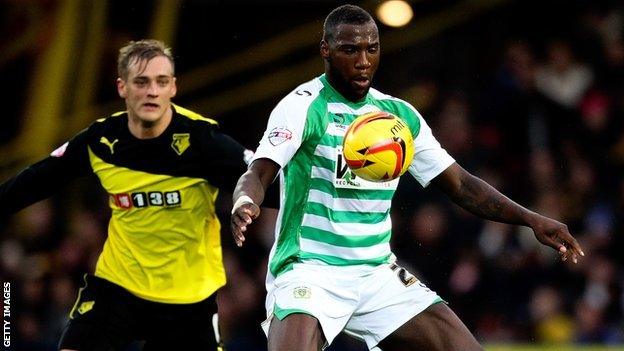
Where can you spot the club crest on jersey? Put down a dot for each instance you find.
(110, 145)
(302, 292)
(279, 135)
(181, 142)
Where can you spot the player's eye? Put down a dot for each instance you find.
(140, 82)
(373, 49)
(349, 50)
(163, 82)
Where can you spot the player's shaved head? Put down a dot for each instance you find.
(345, 14)
(141, 51)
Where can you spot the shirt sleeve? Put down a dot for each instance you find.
(430, 159)
(226, 159)
(284, 133)
(42, 179)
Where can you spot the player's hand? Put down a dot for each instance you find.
(242, 216)
(556, 235)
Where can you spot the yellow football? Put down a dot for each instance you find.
(378, 146)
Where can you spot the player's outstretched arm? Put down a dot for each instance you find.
(249, 194)
(42, 179)
(34, 183)
(481, 199)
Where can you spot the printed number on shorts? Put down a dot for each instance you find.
(404, 276)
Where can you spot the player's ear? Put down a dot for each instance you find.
(121, 88)
(324, 50)
(174, 88)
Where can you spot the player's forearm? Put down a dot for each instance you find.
(37, 182)
(256, 180)
(27, 187)
(481, 199)
(249, 184)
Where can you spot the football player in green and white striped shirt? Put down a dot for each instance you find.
(331, 268)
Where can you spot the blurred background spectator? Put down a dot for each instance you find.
(527, 95)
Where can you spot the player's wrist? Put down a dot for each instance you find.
(530, 219)
(244, 199)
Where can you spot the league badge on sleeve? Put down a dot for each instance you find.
(279, 135)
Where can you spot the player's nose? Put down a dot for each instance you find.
(152, 89)
(362, 60)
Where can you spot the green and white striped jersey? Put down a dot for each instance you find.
(327, 215)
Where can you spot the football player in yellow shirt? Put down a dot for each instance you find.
(162, 166)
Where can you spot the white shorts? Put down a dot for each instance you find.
(366, 302)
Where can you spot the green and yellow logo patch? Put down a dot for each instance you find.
(302, 292)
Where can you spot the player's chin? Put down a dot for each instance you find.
(360, 89)
(150, 116)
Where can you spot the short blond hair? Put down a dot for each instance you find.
(142, 50)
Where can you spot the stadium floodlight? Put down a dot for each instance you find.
(395, 13)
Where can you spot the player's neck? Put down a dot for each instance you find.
(142, 129)
(343, 89)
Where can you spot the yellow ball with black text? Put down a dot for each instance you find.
(378, 146)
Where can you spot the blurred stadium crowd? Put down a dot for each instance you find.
(546, 128)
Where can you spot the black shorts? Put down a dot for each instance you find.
(108, 317)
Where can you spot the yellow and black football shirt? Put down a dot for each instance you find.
(163, 240)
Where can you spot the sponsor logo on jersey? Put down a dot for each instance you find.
(302, 292)
(110, 145)
(343, 175)
(181, 142)
(60, 151)
(279, 135)
(126, 201)
(345, 179)
(86, 307)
